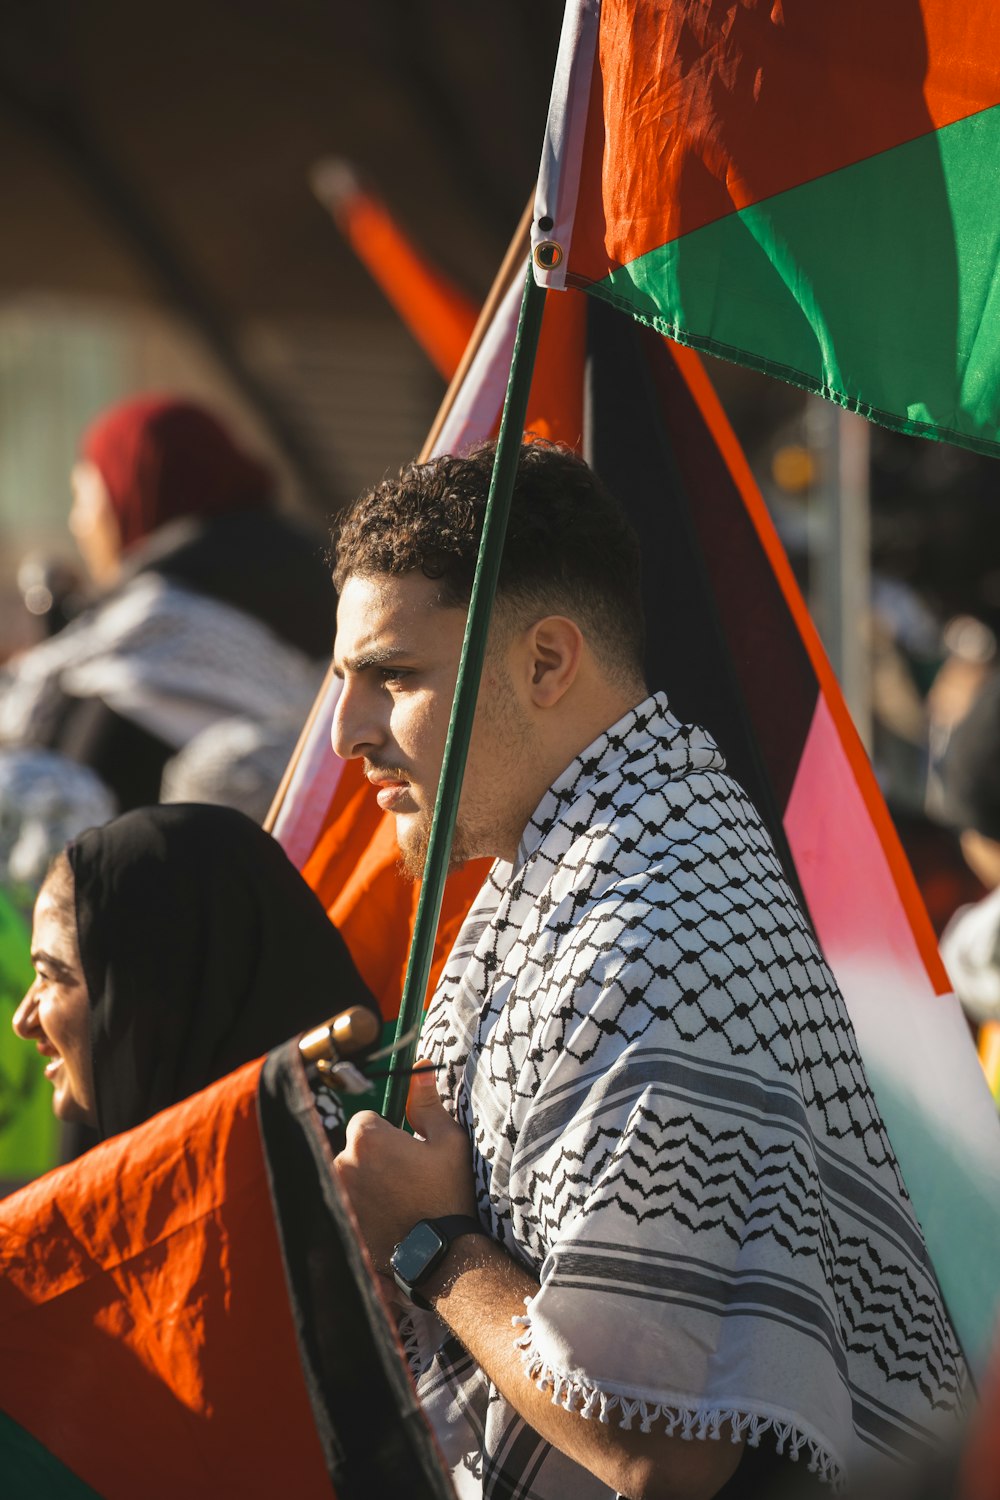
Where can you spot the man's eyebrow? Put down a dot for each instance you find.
(387, 657)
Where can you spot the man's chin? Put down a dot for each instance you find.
(413, 838)
(414, 843)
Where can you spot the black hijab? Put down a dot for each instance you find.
(202, 947)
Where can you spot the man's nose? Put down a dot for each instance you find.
(355, 729)
(25, 1018)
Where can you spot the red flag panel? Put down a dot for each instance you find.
(145, 1334)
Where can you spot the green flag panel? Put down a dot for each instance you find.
(874, 286)
(31, 1472)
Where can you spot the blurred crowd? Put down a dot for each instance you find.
(936, 701)
(178, 667)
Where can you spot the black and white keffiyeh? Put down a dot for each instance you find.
(672, 1129)
(168, 659)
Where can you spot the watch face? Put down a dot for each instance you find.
(418, 1253)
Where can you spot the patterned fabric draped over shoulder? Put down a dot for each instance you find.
(673, 1129)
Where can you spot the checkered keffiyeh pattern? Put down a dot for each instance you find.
(673, 1130)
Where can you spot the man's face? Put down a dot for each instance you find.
(55, 1013)
(397, 654)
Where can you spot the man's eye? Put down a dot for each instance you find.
(392, 674)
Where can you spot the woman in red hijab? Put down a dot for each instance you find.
(216, 610)
(151, 461)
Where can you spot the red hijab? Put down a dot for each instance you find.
(163, 458)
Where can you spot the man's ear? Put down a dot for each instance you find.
(555, 649)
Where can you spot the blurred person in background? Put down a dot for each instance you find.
(957, 666)
(213, 608)
(969, 661)
(969, 793)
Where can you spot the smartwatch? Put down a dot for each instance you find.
(420, 1252)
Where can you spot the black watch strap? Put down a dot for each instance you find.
(446, 1230)
(453, 1226)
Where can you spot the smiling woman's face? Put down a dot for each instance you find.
(55, 1013)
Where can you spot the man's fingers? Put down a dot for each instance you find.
(364, 1133)
(363, 1127)
(424, 1110)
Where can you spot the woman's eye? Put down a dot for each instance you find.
(49, 975)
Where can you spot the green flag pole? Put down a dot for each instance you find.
(463, 707)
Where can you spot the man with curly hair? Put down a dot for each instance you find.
(646, 1139)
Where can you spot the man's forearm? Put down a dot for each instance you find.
(478, 1292)
(393, 1180)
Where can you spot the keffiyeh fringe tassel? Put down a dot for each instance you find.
(591, 1402)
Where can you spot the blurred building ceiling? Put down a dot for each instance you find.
(158, 156)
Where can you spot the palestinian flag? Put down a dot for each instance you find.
(807, 189)
(731, 641)
(186, 1311)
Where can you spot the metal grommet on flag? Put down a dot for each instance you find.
(548, 254)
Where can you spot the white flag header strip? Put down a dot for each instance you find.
(299, 822)
(562, 148)
(476, 408)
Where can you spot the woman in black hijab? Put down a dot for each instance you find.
(170, 946)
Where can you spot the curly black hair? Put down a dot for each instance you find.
(569, 550)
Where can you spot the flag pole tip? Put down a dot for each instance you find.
(334, 179)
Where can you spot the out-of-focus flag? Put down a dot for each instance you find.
(437, 312)
(807, 189)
